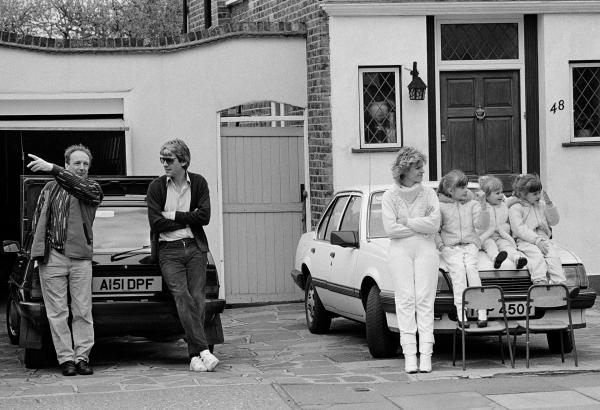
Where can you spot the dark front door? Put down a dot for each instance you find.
(480, 122)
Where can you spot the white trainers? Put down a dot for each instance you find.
(197, 365)
(209, 360)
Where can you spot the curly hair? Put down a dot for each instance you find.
(489, 184)
(407, 158)
(178, 148)
(77, 147)
(525, 184)
(453, 179)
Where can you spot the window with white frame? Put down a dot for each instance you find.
(380, 107)
(585, 79)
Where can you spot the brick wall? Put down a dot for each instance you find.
(318, 86)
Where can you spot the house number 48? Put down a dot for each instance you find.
(558, 106)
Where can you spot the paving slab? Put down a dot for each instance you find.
(544, 400)
(460, 400)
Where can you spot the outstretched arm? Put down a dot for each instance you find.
(81, 188)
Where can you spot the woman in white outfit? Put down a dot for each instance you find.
(411, 217)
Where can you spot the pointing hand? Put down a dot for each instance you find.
(38, 164)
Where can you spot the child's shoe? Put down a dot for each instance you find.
(410, 357)
(521, 262)
(482, 318)
(501, 257)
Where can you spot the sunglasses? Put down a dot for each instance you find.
(167, 160)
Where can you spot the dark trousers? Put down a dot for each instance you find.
(183, 267)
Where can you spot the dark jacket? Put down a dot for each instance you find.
(85, 196)
(196, 217)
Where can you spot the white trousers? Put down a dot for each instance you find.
(463, 269)
(414, 263)
(60, 274)
(494, 246)
(540, 266)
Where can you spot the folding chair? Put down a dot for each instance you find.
(549, 296)
(489, 298)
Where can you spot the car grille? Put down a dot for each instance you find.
(511, 282)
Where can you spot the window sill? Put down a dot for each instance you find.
(368, 150)
(581, 144)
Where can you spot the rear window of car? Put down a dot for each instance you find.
(121, 228)
(375, 219)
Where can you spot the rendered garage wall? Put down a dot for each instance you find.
(167, 93)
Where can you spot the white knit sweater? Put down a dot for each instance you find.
(418, 204)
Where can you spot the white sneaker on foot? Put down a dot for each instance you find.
(197, 365)
(210, 361)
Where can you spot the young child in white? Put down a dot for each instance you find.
(496, 240)
(457, 239)
(530, 220)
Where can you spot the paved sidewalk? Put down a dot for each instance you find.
(270, 360)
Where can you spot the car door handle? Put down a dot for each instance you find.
(332, 254)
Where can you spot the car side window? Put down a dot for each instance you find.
(337, 210)
(375, 217)
(351, 219)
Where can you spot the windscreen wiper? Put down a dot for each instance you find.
(126, 254)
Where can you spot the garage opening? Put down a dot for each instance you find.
(108, 150)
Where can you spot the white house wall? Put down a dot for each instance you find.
(571, 175)
(372, 41)
(167, 95)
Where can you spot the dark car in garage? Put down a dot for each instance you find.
(128, 293)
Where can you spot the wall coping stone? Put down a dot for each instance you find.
(153, 45)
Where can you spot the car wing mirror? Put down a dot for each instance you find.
(10, 246)
(345, 239)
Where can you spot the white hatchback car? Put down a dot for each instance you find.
(342, 269)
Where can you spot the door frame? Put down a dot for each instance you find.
(480, 65)
(273, 119)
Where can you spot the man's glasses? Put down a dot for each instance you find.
(167, 160)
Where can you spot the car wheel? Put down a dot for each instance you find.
(554, 341)
(381, 340)
(13, 320)
(318, 319)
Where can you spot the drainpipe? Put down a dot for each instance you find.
(184, 25)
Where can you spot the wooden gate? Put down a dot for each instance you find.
(263, 210)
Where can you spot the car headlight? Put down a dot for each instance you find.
(576, 275)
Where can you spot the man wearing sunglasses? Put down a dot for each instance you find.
(178, 210)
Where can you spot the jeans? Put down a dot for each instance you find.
(184, 270)
(60, 274)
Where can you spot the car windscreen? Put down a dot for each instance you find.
(121, 228)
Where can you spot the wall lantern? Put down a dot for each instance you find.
(416, 88)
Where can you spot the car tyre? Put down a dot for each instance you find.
(381, 340)
(554, 341)
(13, 319)
(318, 320)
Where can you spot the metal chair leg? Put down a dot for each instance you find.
(574, 347)
(454, 348)
(527, 347)
(501, 348)
(464, 342)
(510, 349)
(562, 346)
